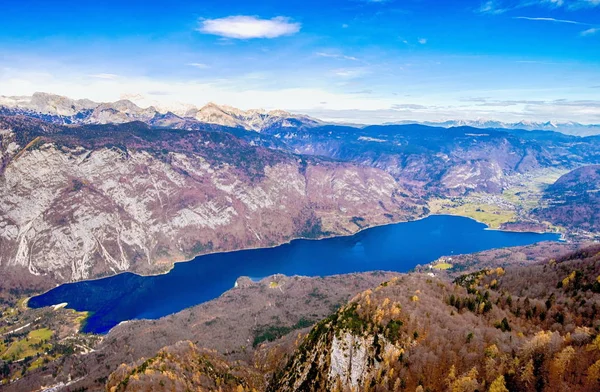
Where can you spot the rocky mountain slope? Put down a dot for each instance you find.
(574, 200)
(238, 325)
(530, 328)
(446, 162)
(81, 202)
(439, 160)
(63, 110)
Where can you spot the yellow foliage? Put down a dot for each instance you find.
(595, 345)
(385, 303)
(541, 339)
(465, 383)
(562, 359)
(499, 385)
(492, 351)
(593, 377)
(527, 372)
(414, 298)
(481, 307)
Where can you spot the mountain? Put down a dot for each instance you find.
(252, 120)
(78, 202)
(82, 201)
(517, 329)
(444, 161)
(63, 110)
(531, 326)
(574, 200)
(569, 128)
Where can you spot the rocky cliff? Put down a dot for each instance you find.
(81, 202)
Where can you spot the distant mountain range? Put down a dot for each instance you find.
(63, 110)
(569, 128)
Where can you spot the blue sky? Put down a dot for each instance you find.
(349, 60)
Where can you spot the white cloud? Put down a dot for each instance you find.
(549, 20)
(246, 27)
(576, 4)
(422, 41)
(491, 7)
(198, 65)
(326, 98)
(350, 73)
(502, 6)
(104, 76)
(336, 56)
(591, 31)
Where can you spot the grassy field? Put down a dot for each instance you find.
(443, 266)
(492, 215)
(527, 195)
(29, 346)
(515, 203)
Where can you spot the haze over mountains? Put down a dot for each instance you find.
(64, 110)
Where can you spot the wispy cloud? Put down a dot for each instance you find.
(336, 56)
(247, 27)
(107, 76)
(502, 6)
(491, 7)
(350, 73)
(539, 19)
(591, 31)
(422, 41)
(198, 65)
(411, 106)
(577, 4)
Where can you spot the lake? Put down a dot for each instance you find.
(396, 247)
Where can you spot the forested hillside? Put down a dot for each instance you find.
(528, 328)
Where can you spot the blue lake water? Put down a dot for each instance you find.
(397, 247)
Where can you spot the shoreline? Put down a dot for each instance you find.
(487, 227)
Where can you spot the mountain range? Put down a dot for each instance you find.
(63, 110)
(569, 128)
(89, 190)
(60, 109)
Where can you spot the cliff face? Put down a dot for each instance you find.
(83, 202)
(522, 329)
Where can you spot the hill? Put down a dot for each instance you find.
(524, 328)
(573, 200)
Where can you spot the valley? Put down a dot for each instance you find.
(117, 193)
(397, 247)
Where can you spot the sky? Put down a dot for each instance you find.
(364, 61)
